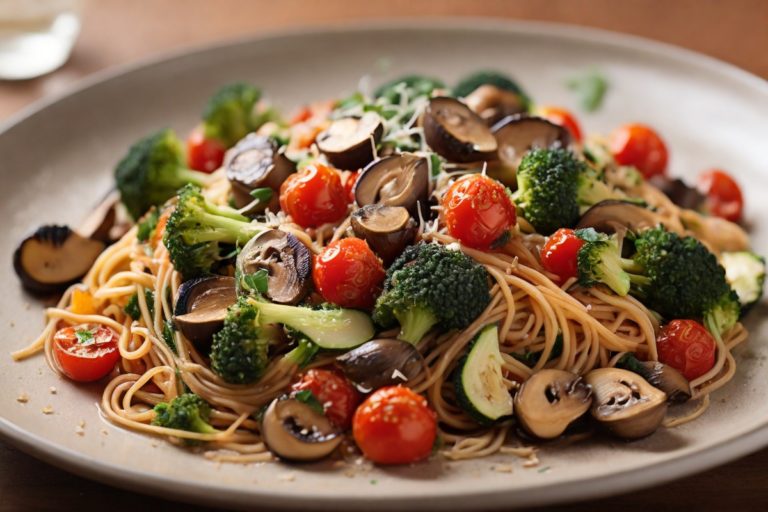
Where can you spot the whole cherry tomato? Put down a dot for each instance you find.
(348, 273)
(688, 347)
(204, 154)
(478, 211)
(560, 252)
(724, 198)
(337, 395)
(640, 146)
(86, 352)
(314, 196)
(563, 118)
(395, 426)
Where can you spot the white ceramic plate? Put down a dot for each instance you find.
(57, 160)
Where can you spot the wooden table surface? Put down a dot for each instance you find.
(118, 32)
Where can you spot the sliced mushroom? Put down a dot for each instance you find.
(286, 260)
(455, 132)
(256, 162)
(612, 214)
(678, 192)
(401, 180)
(100, 224)
(493, 103)
(348, 142)
(201, 305)
(54, 257)
(660, 375)
(295, 431)
(382, 362)
(387, 229)
(550, 400)
(518, 134)
(625, 403)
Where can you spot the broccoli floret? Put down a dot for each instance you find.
(152, 172)
(185, 412)
(430, 284)
(229, 116)
(552, 187)
(495, 78)
(197, 227)
(675, 276)
(239, 349)
(416, 85)
(329, 327)
(599, 261)
(146, 226)
(132, 308)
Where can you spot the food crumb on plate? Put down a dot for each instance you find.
(80, 428)
(22, 398)
(104, 432)
(503, 468)
(53, 390)
(286, 477)
(48, 409)
(531, 462)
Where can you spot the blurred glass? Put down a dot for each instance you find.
(36, 36)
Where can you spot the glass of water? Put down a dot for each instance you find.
(36, 36)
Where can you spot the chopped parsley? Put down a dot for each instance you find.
(590, 88)
(84, 336)
(258, 281)
(307, 397)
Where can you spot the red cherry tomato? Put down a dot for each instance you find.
(563, 118)
(724, 198)
(348, 273)
(204, 154)
(640, 146)
(478, 211)
(338, 396)
(688, 347)
(395, 426)
(314, 196)
(559, 254)
(350, 179)
(86, 352)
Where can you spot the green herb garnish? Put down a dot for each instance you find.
(309, 398)
(590, 88)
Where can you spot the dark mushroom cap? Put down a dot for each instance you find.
(387, 229)
(256, 162)
(54, 257)
(287, 261)
(456, 133)
(612, 214)
(401, 180)
(346, 143)
(518, 134)
(295, 431)
(201, 305)
(382, 362)
(493, 103)
(679, 192)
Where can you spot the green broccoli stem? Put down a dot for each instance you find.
(415, 322)
(303, 353)
(185, 176)
(199, 425)
(224, 229)
(594, 191)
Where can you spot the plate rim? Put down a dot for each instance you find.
(572, 490)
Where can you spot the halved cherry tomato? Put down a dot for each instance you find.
(563, 118)
(337, 395)
(640, 146)
(688, 347)
(86, 352)
(478, 211)
(314, 196)
(304, 113)
(204, 154)
(348, 273)
(724, 198)
(395, 426)
(559, 254)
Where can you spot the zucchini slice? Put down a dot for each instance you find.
(745, 272)
(479, 383)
